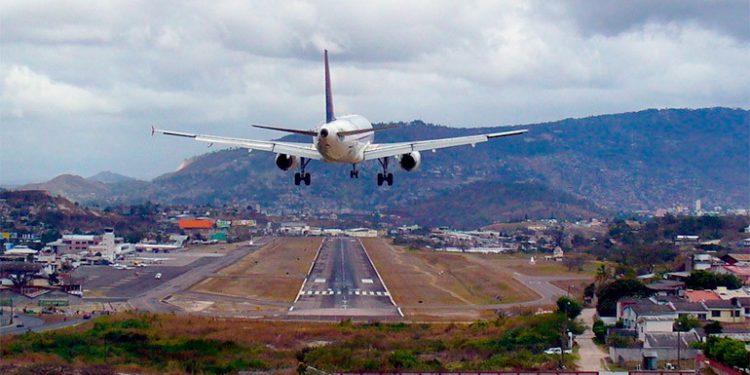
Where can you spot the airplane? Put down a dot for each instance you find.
(345, 139)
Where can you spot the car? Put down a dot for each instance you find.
(157, 276)
(557, 351)
(86, 316)
(20, 325)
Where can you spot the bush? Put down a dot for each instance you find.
(401, 359)
(600, 330)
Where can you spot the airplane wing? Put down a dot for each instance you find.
(304, 150)
(376, 151)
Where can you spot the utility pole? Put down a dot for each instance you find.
(564, 336)
(679, 329)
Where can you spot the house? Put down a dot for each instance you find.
(745, 302)
(701, 262)
(666, 287)
(742, 272)
(684, 240)
(732, 259)
(686, 308)
(646, 316)
(668, 340)
(725, 311)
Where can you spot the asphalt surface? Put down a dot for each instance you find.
(121, 285)
(152, 299)
(34, 324)
(343, 283)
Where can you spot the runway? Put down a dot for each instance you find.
(343, 283)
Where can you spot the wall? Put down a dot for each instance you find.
(636, 354)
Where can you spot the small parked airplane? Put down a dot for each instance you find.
(347, 139)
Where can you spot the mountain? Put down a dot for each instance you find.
(507, 201)
(74, 187)
(578, 167)
(108, 177)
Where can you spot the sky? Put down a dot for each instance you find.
(82, 82)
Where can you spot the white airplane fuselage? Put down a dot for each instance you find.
(335, 148)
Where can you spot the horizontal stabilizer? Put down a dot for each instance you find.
(295, 131)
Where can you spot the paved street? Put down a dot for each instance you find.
(592, 358)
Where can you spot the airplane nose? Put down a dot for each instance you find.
(323, 133)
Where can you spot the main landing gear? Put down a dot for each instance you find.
(301, 176)
(354, 173)
(385, 176)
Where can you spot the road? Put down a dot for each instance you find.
(591, 357)
(152, 300)
(34, 324)
(343, 282)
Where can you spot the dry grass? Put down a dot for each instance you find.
(275, 272)
(430, 285)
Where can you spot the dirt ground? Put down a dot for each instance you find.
(438, 285)
(275, 272)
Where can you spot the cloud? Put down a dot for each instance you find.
(102, 73)
(26, 93)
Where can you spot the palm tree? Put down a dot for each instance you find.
(603, 274)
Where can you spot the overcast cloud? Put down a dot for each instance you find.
(82, 82)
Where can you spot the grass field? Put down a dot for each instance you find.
(275, 272)
(437, 285)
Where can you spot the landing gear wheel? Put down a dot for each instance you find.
(307, 179)
(297, 179)
(385, 176)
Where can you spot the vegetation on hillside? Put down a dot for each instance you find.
(188, 344)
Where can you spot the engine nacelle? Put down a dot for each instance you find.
(286, 162)
(410, 161)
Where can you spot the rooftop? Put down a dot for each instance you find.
(701, 295)
(720, 304)
(648, 307)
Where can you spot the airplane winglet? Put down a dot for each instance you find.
(153, 130)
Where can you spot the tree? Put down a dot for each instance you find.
(701, 279)
(686, 322)
(569, 306)
(712, 327)
(50, 236)
(612, 292)
(603, 274)
(727, 351)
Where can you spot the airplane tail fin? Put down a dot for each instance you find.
(329, 95)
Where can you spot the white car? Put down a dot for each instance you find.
(557, 351)
(157, 276)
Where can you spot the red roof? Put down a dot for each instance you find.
(196, 224)
(701, 295)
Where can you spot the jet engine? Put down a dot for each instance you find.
(410, 161)
(286, 162)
